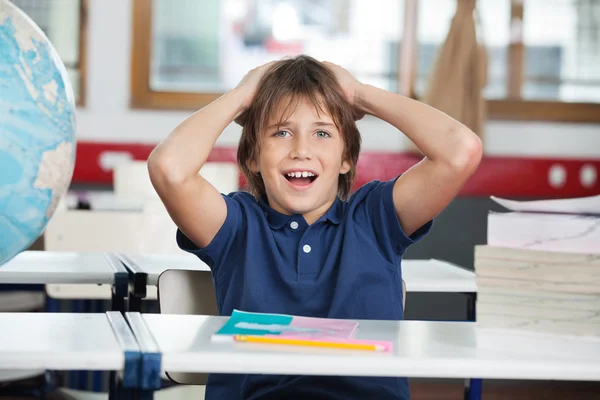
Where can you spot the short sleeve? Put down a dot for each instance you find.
(215, 253)
(375, 207)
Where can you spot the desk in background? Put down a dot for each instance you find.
(420, 275)
(436, 276)
(70, 275)
(146, 269)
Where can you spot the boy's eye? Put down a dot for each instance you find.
(322, 134)
(282, 133)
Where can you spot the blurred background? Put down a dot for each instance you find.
(523, 74)
(140, 66)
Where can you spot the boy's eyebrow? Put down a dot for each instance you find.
(291, 123)
(324, 123)
(278, 125)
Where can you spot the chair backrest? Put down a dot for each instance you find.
(186, 292)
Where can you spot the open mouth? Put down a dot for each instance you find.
(300, 178)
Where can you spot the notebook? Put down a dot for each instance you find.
(271, 325)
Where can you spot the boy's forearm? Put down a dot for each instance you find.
(183, 153)
(437, 135)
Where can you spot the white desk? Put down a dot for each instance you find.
(147, 268)
(437, 276)
(420, 275)
(69, 274)
(68, 341)
(155, 264)
(41, 267)
(428, 349)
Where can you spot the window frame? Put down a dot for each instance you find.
(82, 52)
(82, 64)
(142, 96)
(514, 107)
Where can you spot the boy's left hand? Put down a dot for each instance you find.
(350, 85)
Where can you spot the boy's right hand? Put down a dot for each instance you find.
(249, 83)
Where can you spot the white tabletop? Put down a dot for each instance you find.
(437, 276)
(48, 267)
(419, 275)
(64, 341)
(431, 349)
(156, 264)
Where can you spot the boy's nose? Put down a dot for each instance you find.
(300, 150)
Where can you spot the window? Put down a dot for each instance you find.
(203, 48)
(208, 46)
(562, 50)
(543, 55)
(63, 22)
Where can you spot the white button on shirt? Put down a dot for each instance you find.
(306, 248)
(294, 225)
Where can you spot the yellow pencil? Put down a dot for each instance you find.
(304, 342)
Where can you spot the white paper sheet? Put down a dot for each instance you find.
(581, 205)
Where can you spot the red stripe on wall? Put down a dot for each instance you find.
(499, 176)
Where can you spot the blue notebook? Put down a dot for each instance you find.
(262, 324)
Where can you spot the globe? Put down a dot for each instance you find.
(37, 131)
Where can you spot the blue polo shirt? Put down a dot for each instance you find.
(345, 265)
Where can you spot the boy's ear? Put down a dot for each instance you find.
(252, 165)
(345, 168)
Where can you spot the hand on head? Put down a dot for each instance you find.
(250, 81)
(349, 84)
(249, 86)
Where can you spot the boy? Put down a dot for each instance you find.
(296, 244)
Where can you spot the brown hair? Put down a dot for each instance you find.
(292, 80)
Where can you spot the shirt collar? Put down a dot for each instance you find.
(335, 212)
(277, 220)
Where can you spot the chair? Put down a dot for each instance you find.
(186, 292)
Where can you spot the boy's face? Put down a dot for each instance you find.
(300, 162)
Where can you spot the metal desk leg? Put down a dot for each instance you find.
(137, 291)
(473, 389)
(138, 280)
(117, 301)
(117, 391)
(113, 386)
(144, 394)
(471, 302)
(121, 282)
(473, 386)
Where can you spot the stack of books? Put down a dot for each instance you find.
(540, 268)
